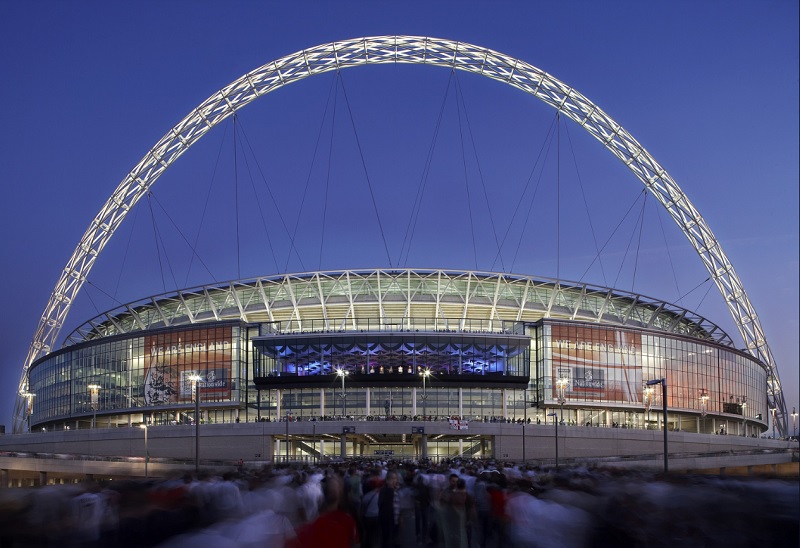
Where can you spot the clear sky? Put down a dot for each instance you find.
(709, 88)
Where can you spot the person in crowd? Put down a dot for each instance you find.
(389, 510)
(334, 527)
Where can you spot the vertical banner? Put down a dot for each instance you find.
(172, 358)
(599, 364)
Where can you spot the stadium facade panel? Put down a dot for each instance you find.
(377, 344)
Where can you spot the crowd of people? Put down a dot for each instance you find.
(456, 503)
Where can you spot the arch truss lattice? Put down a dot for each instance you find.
(414, 50)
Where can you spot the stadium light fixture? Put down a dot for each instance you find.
(663, 383)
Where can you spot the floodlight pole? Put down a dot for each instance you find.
(146, 452)
(663, 383)
(425, 374)
(94, 391)
(196, 393)
(704, 406)
(774, 409)
(744, 416)
(555, 424)
(343, 373)
(29, 408)
(561, 384)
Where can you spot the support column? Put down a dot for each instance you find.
(414, 401)
(460, 403)
(505, 403)
(3, 478)
(369, 392)
(424, 446)
(42, 479)
(321, 402)
(343, 446)
(278, 405)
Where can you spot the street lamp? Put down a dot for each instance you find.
(774, 410)
(744, 415)
(425, 374)
(555, 424)
(342, 373)
(143, 426)
(561, 384)
(94, 390)
(647, 398)
(28, 396)
(663, 383)
(195, 379)
(794, 422)
(703, 406)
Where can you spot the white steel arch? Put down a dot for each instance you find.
(414, 50)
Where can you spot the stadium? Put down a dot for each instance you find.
(402, 346)
(405, 362)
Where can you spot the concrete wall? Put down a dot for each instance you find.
(256, 441)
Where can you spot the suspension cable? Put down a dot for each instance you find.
(257, 200)
(608, 240)
(466, 184)
(271, 196)
(460, 91)
(125, 255)
(423, 181)
(366, 173)
(548, 143)
(193, 247)
(669, 255)
(182, 235)
(558, 195)
(694, 289)
(585, 203)
(331, 92)
(328, 172)
(639, 243)
(155, 238)
(630, 240)
(545, 142)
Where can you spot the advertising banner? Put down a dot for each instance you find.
(599, 364)
(173, 358)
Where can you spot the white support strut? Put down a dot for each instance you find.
(412, 50)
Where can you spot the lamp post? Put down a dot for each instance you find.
(342, 373)
(744, 416)
(663, 383)
(555, 424)
(29, 396)
(143, 426)
(94, 390)
(794, 422)
(774, 410)
(425, 374)
(704, 406)
(196, 395)
(647, 398)
(561, 384)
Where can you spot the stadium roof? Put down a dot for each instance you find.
(343, 299)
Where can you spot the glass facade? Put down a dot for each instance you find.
(386, 352)
(590, 373)
(608, 367)
(150, 374)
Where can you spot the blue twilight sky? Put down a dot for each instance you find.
(709, 88)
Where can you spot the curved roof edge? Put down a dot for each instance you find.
(269, 298)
